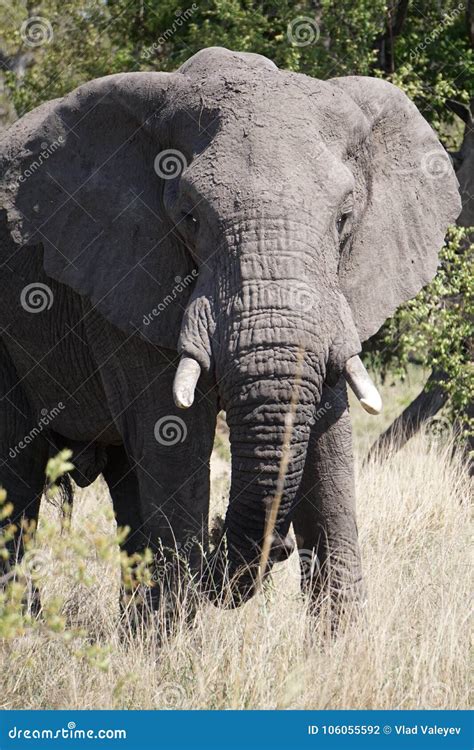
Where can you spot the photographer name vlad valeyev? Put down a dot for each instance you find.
(426, 729)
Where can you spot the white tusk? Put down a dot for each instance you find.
(362, 385)
(185, 381)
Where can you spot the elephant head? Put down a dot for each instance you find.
(260, 222)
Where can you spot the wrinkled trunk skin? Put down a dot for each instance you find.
(257, 407)
(273, 339)
(257, 433)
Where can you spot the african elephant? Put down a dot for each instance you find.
(224, 236)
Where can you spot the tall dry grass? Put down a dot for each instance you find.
(408, 650)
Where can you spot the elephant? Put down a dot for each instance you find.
(225, 236)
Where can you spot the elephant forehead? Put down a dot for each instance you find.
(258, 98)
(288, 166)
(262, 127)
(235, 181)
(269, 136)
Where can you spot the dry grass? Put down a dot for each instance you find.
(410, 650)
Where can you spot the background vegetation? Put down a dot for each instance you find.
(424, 47)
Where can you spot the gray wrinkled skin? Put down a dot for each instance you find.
(463, 162)
(304, 215)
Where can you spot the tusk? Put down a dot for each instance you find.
(185, 381)
(362, 385)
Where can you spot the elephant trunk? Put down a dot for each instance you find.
(269, 439)
(270, 375)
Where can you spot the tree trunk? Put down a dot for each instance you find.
(396, 17)
(470, 20)
(425, 406)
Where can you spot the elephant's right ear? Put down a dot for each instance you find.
(82, 178)
(404, 202)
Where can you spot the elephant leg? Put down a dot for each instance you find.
(169, 448)
(23, 458)
(121, 478)
(122, 481)
(325, 518)
(172, 458)
(173, 470)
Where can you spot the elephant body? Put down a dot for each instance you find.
(229, 233)
(70, 368)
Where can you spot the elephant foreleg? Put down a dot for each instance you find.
(169, 448)
(23, 457)
(325, 519)
(122, 481)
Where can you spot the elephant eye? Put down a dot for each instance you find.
(190, 220)
(345, 211)
(188, 226)
(342, 220)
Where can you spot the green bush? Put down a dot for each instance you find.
(435, 329)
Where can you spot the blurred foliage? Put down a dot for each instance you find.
(424, 48)
(58, 466)
(432, 56)
(58, 550)
(435, 328)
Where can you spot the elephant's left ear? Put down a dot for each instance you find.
(83, 177)
(407, 197)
